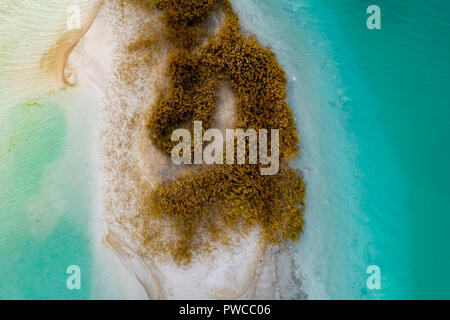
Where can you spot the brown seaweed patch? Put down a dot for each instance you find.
(209, 204)
(229, 198)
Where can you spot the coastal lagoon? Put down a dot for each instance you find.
(372, 111)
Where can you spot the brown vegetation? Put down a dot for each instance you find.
(210, 203)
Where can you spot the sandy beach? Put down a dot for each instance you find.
(128, 165)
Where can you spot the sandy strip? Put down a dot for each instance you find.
(129, 163)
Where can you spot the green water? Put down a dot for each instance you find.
(397, 79)
(41, 208)
(45, 191)
(396, 83)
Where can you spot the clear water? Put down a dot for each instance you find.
(45, 198)
(373, 110)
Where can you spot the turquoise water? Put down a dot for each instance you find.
(44, 205)
(45, 190)
(373, 110)
(396, 80)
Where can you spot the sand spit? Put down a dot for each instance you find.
(128, 82)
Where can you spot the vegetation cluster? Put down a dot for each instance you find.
(208, 204)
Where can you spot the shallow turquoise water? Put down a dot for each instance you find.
(44, 226)
(378, 177)
(397, 81)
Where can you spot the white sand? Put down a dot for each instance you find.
(127, 162)
(88, 67)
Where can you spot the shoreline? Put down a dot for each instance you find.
(91, 59)
(55, 61)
